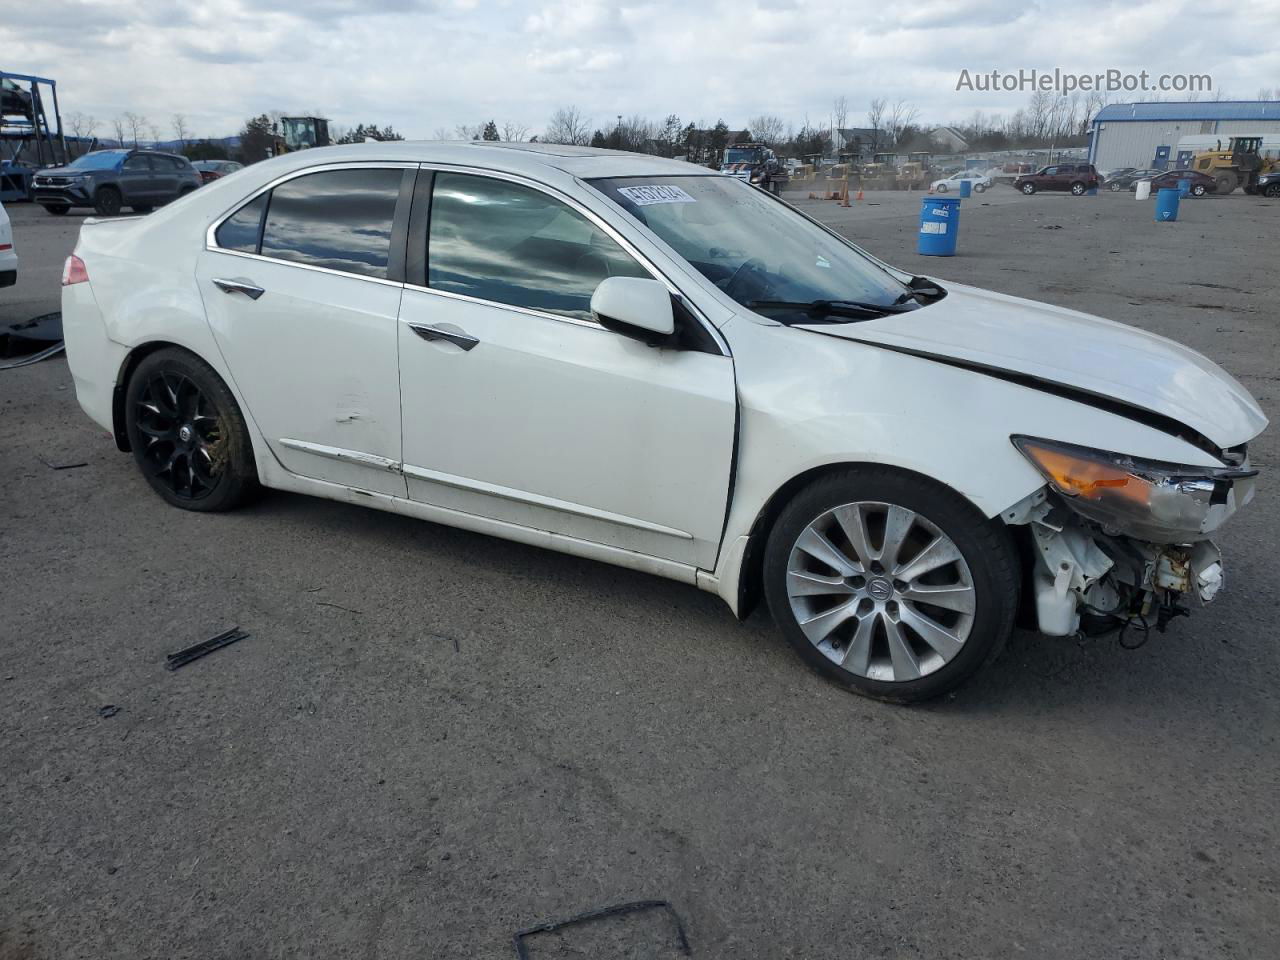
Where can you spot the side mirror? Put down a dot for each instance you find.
(636, 308)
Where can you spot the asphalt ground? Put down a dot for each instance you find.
(433, 739)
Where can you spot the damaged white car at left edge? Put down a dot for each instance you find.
(642, 362)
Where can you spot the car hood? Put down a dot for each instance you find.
(1085, 356)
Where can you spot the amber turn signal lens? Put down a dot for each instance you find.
(1077, 476)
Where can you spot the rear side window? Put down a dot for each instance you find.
(241, 230)
(138, 164)
(511, 244)
(338, 219)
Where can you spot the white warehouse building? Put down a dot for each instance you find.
(1147, 134)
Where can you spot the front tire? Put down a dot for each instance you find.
(941, 188)
(889, 584)
(1028, 189)
(1198, 190)
(1271, 190)
(187, 433)
(107, 202)
(979, 188)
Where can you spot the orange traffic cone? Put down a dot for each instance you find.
(859, 196)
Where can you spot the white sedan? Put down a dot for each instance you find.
(630, 359)
(8, 255)
(980, 181)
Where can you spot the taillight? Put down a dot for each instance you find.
(73, 271)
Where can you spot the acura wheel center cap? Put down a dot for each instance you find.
(879, 588)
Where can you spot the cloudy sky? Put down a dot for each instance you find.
(425, 65)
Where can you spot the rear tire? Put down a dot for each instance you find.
(57, 209)
(1114, 187)
(187, 433)
(107, 202)
(1028, 188)
(1078, 189)
(866, 627)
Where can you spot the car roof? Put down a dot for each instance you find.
(530, 159)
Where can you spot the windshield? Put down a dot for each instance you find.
(100, 160)
(751, 246)
(734, 155)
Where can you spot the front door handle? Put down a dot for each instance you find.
(435, 333)
(238, 286)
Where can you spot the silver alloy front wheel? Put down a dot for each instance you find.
(881, 591)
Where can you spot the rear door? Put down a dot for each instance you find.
(519, 407)
(166, 176)
(302, 287)
(138, 180)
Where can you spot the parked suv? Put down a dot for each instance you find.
(1076, 177)
(109, 180)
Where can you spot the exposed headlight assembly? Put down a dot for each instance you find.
(1146, 499)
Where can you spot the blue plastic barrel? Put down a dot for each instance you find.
(1184, 187)
(966, 188)
(939, 226)
(1167, 205)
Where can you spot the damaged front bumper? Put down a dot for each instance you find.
(1089, 579)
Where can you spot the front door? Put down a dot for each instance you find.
(138, 183)
(518, 407)
(303, 305)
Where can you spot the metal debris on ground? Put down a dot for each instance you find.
(203, 648)
(61, 466)
(682, 940)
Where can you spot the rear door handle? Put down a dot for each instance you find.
(435, 333)
(238, 286)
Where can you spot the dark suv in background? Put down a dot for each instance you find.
(109, 180)
(1078, 178)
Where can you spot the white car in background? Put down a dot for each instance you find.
(980, 181)
(629, 359)
(8, 254)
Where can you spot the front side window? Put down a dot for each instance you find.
(138, 164)
(501, 241)
(337, 219)
(752, 247)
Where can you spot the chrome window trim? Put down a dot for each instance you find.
(305, 266)
(211, 244)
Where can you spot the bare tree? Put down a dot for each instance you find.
(82, 125)
(875, 120)
(135, 124)
(839, 117)
(1272, 93)
(119, 125)
(155, 133)
(901, 114)
(767, 128)
(514, 132)
(441, 133)
(468, 131)
(180, 129)
(568, 125)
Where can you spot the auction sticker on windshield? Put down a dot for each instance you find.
(655, 193)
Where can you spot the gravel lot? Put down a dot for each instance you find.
(434, 738)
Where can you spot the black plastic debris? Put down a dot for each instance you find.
(108, 711)
(46, 328)
(204, 648)
(62, 466)
(33, 357)
(638, 906)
